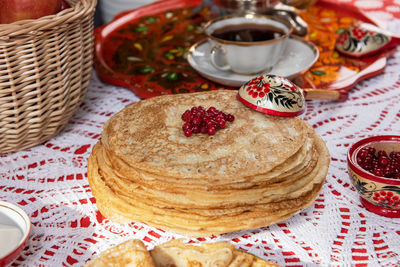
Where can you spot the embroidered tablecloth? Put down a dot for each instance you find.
(49, 182)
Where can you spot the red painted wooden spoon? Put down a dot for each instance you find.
(365, 39)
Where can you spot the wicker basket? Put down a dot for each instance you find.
(45, 69)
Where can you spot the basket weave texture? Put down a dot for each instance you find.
(45, 69)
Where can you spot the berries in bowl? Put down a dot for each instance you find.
(374, 168)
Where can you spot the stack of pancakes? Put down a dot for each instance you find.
(257, 171)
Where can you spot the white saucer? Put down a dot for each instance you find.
(15, 228)
(299, 56)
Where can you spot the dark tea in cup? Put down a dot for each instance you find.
(248, 32)
(246, 44)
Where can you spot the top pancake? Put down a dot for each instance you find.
(148, 135)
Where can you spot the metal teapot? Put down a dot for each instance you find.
(285, 9)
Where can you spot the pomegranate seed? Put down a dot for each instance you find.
(378, 172)
(368, 159)
(363, 154)
(368, 167)
(382, 153)
(387, 172)
(379, 163)
(396, 166)
(383, 161)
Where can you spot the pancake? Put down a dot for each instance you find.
(148, 136)
(295, 164)
(257, 171)
(120, 208)
(179, 196)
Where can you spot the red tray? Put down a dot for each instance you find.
(144, 49)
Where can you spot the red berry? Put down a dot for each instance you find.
(195, 129)
(209, 114)
(187, 132)
(210, 124)
(187, 126)
(230, 118)
(221, 123)
(196, 120)
(200, 120)
(185, 115)
(212, 109)
(211, 131)
(219, 117)
(190, 117)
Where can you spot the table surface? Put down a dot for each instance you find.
(49, 182)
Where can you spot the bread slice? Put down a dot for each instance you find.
(176, 253)
(222, 254)
(131, 253)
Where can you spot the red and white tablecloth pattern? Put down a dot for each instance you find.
(49, 182)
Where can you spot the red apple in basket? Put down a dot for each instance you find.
(14, 10)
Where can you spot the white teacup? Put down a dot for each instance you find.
(247, 44)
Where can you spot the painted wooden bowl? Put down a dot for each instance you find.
(379, 194)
